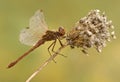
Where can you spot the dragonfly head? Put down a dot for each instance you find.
(61, 31)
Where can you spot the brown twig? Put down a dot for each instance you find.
(45, 63)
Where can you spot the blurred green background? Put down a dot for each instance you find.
(77, 67)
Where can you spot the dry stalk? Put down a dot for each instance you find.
(45, 63)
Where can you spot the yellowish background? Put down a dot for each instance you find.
(15, 14)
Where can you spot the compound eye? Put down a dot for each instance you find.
(61, 30)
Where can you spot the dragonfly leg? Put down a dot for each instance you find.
(60, 41)
(57, 52)
(50, 47)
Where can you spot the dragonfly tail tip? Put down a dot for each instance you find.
(11, 64)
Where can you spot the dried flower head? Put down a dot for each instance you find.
(92, 30)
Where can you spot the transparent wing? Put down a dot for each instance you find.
(37, 28)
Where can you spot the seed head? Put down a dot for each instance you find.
(92, 30)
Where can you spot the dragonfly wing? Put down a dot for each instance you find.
(35, 31)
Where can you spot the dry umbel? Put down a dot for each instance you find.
(92, 30)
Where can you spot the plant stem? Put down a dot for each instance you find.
(45, 63)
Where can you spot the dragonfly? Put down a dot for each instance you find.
(37, 34)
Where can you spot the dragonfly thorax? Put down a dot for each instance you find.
(53, 35)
